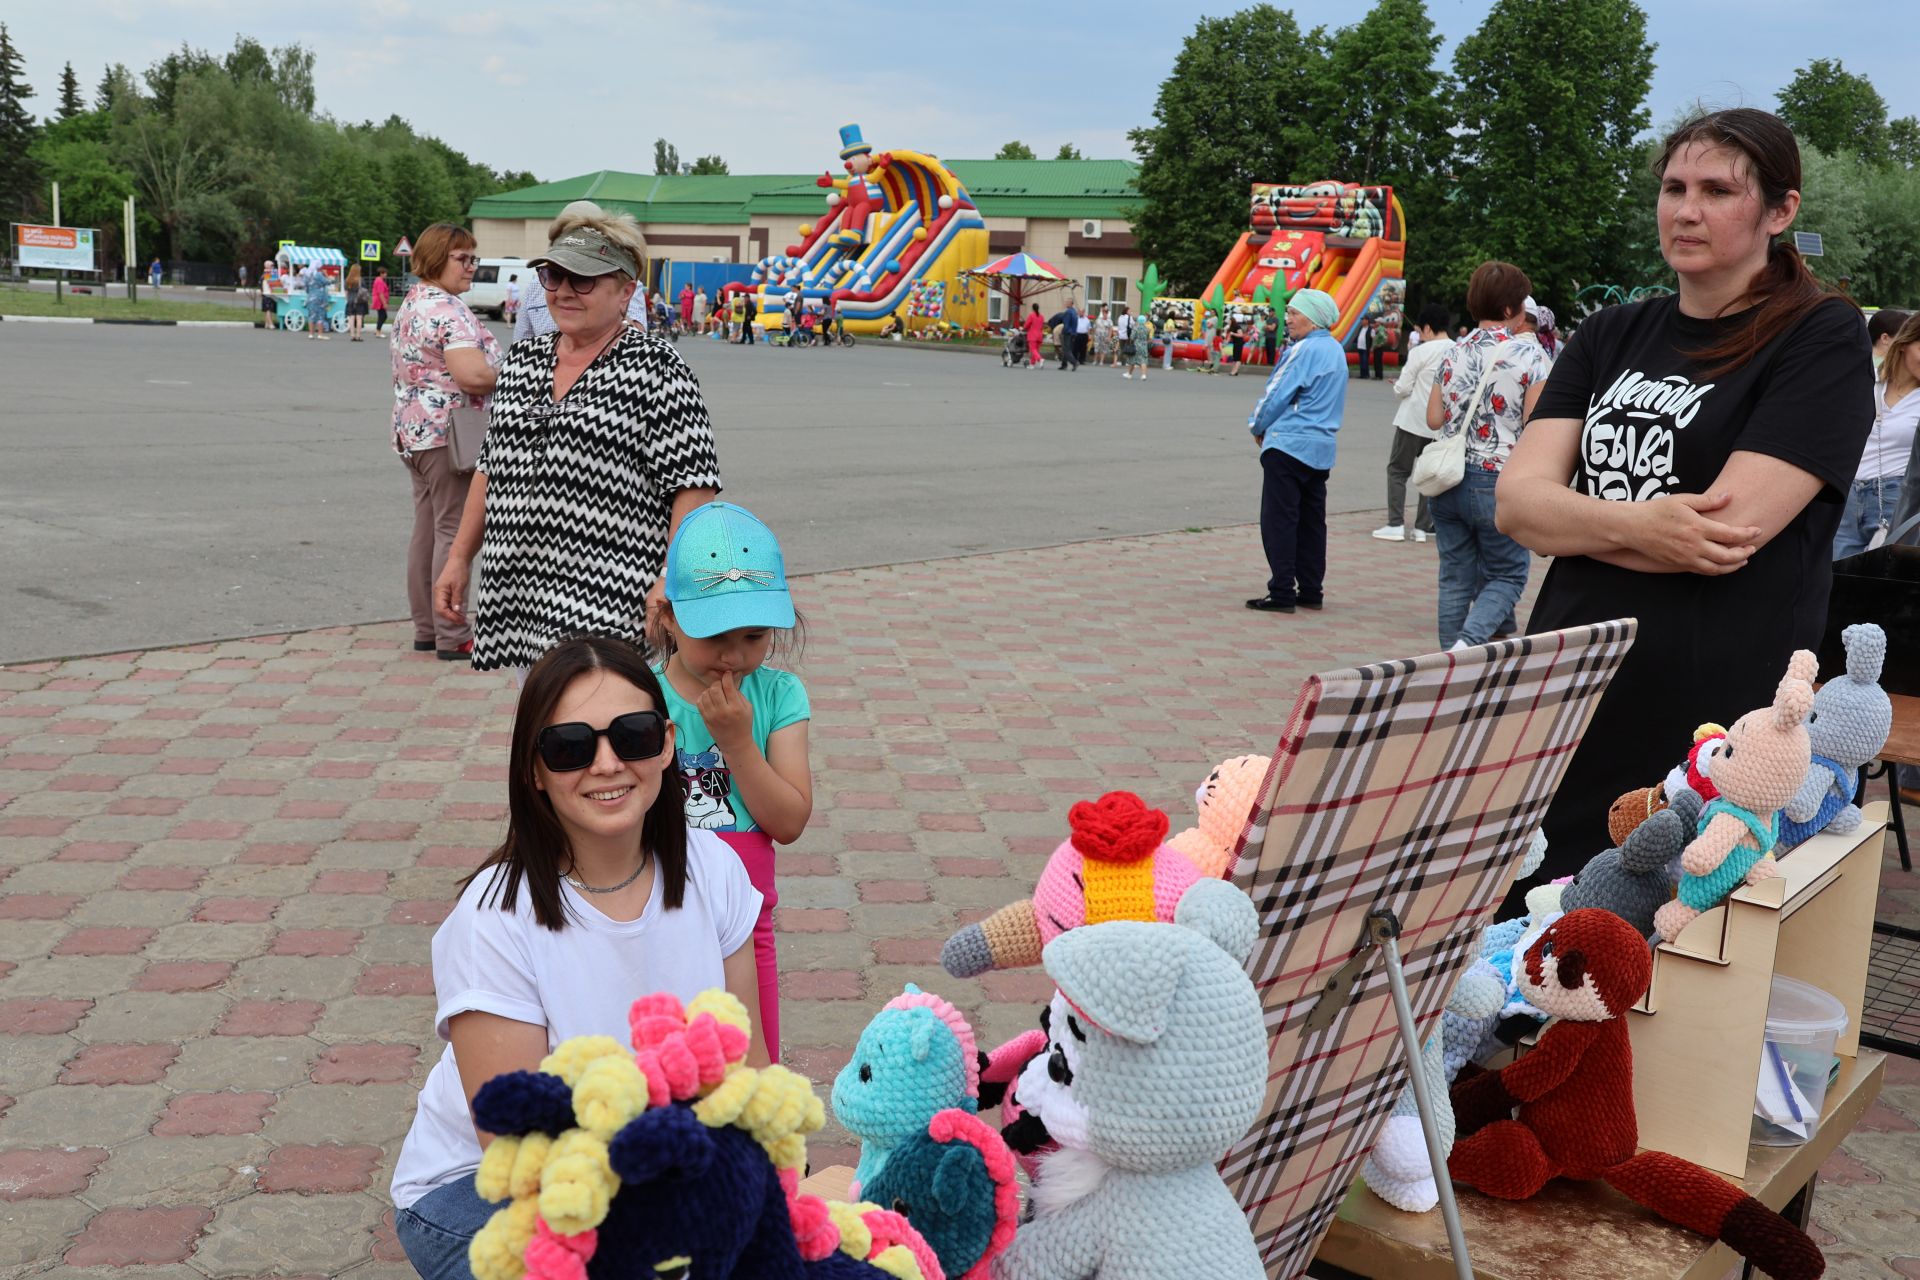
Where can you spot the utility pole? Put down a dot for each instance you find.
(58, 273)
(133, 290)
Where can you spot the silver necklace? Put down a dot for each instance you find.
(578, 883)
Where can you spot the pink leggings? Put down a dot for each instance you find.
(756, 855)
(1033, 348)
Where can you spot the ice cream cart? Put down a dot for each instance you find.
(290, 303)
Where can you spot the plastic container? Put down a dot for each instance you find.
(1796, 1062)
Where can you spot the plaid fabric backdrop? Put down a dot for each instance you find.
(1413, 786)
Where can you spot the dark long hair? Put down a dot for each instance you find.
(1784, 290)
(536, 845)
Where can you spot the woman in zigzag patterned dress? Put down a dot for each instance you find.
(599, 443)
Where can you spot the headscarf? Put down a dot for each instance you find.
(1316, 305)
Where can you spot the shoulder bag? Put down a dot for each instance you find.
(1443, 464)
(466, 433)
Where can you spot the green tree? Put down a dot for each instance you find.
(421, 191)
(707, 165)
(1386, 120)
(1069, 152)
(71, 103)
(1236, 110)
(1015, 150)
(116, 82)
(666, 157)
(1833, 202)
(1903, 142)
(174, 169)
(19, 186)
(346, 197)
(1551, 100)
(1836, 110)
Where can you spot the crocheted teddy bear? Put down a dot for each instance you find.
(676, 1159)
(1851, 719)
(1114, 866)
(1756, 770)
(1574, 1092)
(1632, 881)
(1156, 1065)
(917, 1057)
(1224, 802)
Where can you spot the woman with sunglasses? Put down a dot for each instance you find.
(534, 319)
(598, 444)
(444, 359)
(599, 894)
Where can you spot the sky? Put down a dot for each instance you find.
(565, 89)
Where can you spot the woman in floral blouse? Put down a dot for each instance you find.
(1483, 572)
(444, 359)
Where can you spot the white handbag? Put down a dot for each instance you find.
(1443, 464)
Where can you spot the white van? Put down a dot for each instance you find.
(488, 296)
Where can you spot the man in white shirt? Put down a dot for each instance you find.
(1081, 334)
(1410, 433)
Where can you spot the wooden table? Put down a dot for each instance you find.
(1903, 747)
(1577, 1230)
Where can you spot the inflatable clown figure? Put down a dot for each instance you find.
(860, 198)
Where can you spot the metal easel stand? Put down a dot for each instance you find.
(1383, 931)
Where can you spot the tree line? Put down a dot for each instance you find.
(225, 157)
(1534, 146)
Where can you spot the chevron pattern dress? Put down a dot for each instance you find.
(580, 491)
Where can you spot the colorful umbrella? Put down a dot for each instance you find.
(1024, 266)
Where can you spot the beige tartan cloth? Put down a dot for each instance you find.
(1413, 786)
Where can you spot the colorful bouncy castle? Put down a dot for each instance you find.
(896, 234)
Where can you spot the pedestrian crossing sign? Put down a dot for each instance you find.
(369, 251)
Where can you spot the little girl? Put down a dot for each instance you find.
(740, 727)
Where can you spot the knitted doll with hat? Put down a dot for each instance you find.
(1224, 802)
(1631, 881)
(1756, 770)
(1114, 866)
(675, 1159)
(1156, 1065)
(1851, 719)
(1574, 1092)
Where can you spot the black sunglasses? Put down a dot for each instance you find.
(552, 278)
(637, 735)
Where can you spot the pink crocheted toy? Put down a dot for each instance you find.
(1224, 801)
(1114, 866)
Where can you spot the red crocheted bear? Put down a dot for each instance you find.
(1574, 1092)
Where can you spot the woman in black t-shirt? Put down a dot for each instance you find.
(1686, 466)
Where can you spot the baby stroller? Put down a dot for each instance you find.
(1013, 352)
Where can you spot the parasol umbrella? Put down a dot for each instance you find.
(1021, 273)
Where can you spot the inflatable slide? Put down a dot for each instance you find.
(898, 231)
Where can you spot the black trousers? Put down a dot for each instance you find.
(1293, 527)
(1379, 364)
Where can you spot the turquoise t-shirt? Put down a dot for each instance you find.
(778, 700)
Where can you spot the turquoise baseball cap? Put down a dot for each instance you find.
(725, 571)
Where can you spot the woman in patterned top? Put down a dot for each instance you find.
(599, 443)
(1483, 572)
(443, 359)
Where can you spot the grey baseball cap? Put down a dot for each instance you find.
(586, 252)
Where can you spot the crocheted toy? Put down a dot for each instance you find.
(955, 1182)
(1224, 802)
(1156, 1065)
(916, 1058)
(1851, 719)
(1574, 1092)
(673, 1160)
(1756, 770)
(1398, 1169)
(1686, 778)
(1113, 866)
(1632, 881)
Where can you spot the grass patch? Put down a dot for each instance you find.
(28, 302)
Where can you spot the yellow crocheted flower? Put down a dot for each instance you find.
(499, 1249)
(724, 1006)
(609, 1092)
(577, 1184)
(511, 1167)
(573, 1056)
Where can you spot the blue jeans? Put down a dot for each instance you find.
(1483, 572)
(436, 1229)
(1870, 506)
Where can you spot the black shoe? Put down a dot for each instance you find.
(1315, 605)
(1267, 604)
(423, 646)
(462, 654)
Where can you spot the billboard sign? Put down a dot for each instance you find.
(68, 248)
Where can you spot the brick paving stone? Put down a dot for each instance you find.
(183, 975)
(366, 1064)
(206, 1115)
(120, 1064)
(320, 1169)
(272, 1063)
(125, 1237)
(38, 906)
(396, 980)
(84, 1115)
(41, 1017)
(152, 1016)
(104, 940)
(236, 910)
(33, 1232)
(269, 1235)
(270, 1018)
(315, 942)
(48, 1174)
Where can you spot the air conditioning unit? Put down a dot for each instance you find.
(1090, 228)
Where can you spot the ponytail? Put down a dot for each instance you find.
(1784, 292)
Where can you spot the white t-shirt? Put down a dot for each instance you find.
(1890, 443)
(1415, 383)
(577, 982)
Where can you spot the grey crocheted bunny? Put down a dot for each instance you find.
(1632, 881)
(1849, 725)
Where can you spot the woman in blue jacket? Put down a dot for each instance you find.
(1293, 428)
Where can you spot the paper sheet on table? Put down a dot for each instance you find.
(1779, 1100)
